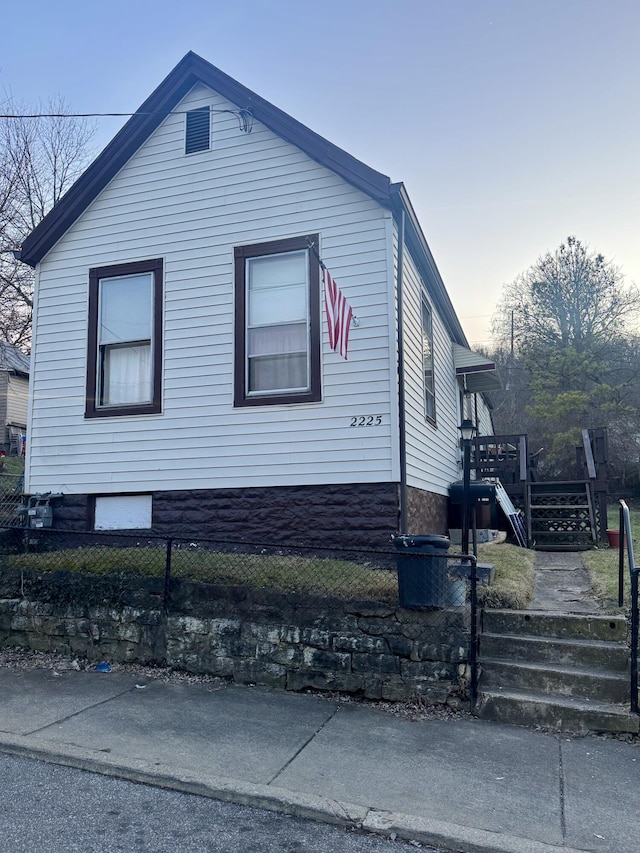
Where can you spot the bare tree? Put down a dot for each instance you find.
(571, 297)
(39, 160)
(568, 347)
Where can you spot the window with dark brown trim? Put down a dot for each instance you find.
(427, 363)
(124, 352)
(277, 323)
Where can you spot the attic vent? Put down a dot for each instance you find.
(198, 130)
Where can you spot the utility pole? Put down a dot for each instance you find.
(512, 313)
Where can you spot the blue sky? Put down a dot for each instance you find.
(513, 123)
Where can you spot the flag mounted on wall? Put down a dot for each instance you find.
(339, 315)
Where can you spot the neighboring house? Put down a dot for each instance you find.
(14, 397)
(182, 375)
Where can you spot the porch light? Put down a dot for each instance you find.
(467, 429)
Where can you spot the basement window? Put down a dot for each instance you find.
(198, 130)
(123, 512)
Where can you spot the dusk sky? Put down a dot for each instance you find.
(512, 123)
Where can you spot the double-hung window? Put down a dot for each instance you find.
(427, 362)
(125, 339)
(277, 323)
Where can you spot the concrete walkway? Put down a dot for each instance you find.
(461, 784)
(562, 583)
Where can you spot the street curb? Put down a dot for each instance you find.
(449, 836)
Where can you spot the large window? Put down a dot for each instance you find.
(125, 339)
(277, 328)
(427, 363)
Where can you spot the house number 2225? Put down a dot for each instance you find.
(366, 420)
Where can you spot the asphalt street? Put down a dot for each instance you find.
(51, 809)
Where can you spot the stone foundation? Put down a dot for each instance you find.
(426, 512)
(247, 635)
(349, 516)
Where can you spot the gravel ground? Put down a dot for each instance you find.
(13, 658)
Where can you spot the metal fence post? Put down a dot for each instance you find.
(473, 650)
(167, 576)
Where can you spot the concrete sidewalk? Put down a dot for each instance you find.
(462, 785)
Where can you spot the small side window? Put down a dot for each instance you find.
(427, 363)
(198, 130)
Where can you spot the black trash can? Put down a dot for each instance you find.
(422, 571)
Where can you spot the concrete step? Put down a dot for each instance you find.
(602, 686)
(566, 714)
(560, 625)
(584, 654)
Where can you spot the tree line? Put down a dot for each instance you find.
(39, 160)
(567, 348)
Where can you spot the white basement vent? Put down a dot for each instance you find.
(123, 512)
(198, 130)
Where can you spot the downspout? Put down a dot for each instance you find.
(401, 397)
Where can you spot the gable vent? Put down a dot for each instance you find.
(198, 130)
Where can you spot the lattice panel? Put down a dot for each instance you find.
(559, 500)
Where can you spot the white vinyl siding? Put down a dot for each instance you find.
(192, 211)
(431, 448)
(17, 399)
(485, 420)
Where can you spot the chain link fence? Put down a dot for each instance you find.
(393, 576)
(11, 487)
(111, 569)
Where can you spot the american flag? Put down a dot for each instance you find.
(339, 315)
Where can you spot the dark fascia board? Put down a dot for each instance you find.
(425, 263)
(192, 69)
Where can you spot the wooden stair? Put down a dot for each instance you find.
(567, 672)
(561, 516)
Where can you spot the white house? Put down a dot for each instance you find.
(182, 378)
(14, 396)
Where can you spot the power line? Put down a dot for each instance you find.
(244, 116)
(116, 115)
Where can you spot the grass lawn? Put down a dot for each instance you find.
(13, 465)
(290, 573)
(602, 563)
(513, 585)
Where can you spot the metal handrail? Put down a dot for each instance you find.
(634, 571)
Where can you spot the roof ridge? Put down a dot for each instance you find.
(192, 69)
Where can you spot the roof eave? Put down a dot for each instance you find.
(426, 264)
(190, 70)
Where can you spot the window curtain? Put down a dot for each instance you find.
(127, 375)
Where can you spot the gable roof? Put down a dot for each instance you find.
(192, 69)
(11, 358)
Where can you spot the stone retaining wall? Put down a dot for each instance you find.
(248, 635)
